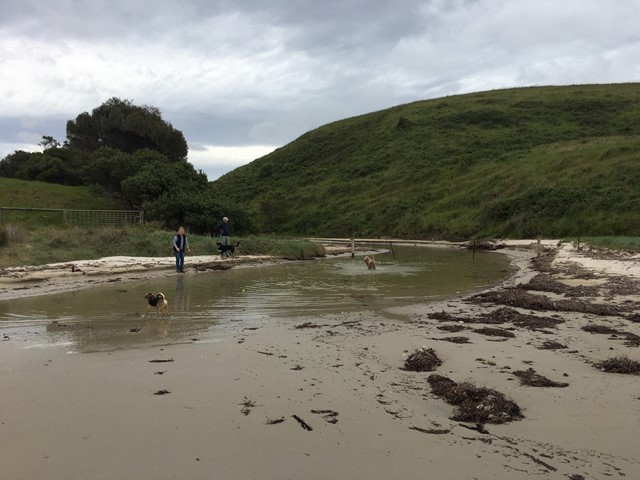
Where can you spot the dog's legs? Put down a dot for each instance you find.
(148, 308)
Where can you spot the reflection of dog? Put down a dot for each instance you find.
(227, 248)
(371, 262)
(158, 301)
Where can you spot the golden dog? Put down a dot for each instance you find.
(159, 301)
(371, 262)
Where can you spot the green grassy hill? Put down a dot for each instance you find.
(553, 161)
(29, 194)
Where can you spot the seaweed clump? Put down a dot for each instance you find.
(422, 360)
(475, 404)
(620, 364)
(530, 378)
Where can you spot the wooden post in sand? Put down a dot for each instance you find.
(539, 247)
(353, 244)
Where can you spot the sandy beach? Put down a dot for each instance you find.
(336, 398)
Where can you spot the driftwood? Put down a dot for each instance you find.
(302, 423)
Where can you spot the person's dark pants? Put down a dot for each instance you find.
(180, 261)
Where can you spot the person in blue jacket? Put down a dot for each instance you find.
(225, 232)
(180, 244)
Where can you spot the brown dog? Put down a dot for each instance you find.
(158, 301)
(371, 262)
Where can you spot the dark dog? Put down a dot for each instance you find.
(371, 262)
(158, 301)
(227, 248)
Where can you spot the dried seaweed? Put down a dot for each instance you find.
(530, 378)
(603, 329)
(474, 404)
(495, 332)
(551, 345)
(621, 364)
(545, 283)
(422, 360)
(432, 431)
(442, 316)
(623, 286)
(515, 297)
(452, 328)
(455, 339)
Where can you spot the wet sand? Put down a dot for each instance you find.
(332, 398)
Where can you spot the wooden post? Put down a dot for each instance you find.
(0, 215)
(539, 247)
(353, 244)
(64, 217)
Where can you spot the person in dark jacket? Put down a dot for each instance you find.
(180, 244)
(225, 232)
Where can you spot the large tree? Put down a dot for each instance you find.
(120, 125)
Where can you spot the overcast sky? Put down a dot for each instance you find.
(242, 77)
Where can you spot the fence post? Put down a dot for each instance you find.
(64, 217)
(0, 215)
(141, 217)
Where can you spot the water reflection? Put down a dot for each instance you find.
(205, 304)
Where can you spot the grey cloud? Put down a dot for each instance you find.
(234, 73)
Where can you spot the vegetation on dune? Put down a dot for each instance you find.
(39, 245)
(551, 161)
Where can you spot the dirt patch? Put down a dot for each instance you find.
(474, 404)
(204, 267)
(422, 360)
(620, 364)
(530, 378)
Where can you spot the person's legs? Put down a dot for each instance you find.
(179, 261)
(224, 240)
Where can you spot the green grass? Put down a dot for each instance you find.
(23, 193)
(627, 244)
(553, 161)
(26, 245)
(41, 195)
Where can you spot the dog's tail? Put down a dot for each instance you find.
(238, 243)
(160, 295)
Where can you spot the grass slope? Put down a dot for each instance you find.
(554, 161)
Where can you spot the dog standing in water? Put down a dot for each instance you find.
(371, 262)
(159, 301)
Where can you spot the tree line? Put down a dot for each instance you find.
(132, 154)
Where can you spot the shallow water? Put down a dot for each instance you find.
(204, 305)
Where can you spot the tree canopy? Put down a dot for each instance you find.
(130, 153)
(120, 125)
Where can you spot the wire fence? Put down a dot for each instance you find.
(75, 218)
